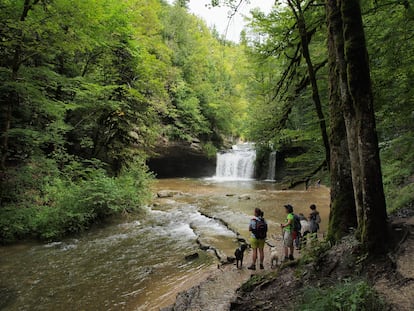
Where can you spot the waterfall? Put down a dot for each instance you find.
(237, 163)
(271, 173)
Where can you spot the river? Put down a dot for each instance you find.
(138, 262)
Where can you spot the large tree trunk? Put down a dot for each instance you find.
(357, 105)
(342, 212)
(372, 228)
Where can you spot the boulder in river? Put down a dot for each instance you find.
(192, 256)
(168, 193)
(244, 197)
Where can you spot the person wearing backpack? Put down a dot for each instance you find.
(314, 219)
(258, 229)
(296, 235)
(287, 229)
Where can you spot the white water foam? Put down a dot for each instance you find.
(236, 164)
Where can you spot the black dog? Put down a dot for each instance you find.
(239, 253)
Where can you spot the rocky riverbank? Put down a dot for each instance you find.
(392, 277)
(219, 290)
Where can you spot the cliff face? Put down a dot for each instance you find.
(181, 159)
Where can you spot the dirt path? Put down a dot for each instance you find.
(398, 287)
(218, 291)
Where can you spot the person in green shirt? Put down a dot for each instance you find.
(287, 229)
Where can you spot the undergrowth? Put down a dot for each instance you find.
(41, 202)
(349, 295)
(398, 172)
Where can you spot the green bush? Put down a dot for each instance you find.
(210, 150)
(346, 296)
(24, 185)
(63, 204)
(14, 223)
(316, 251)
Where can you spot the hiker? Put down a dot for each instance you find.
(304, 224)
(287, 229)
(258, 229)
(314, 219)
(296, 231)
(304, 229)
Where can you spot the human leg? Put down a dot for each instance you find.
(254, 244)
(291, 252)
(287, 243)
(254, 258)
(261, 253)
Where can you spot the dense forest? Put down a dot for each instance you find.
(89, 88)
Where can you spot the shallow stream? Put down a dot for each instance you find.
(138, 262)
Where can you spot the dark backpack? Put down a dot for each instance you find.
(261, 228)
(296, 223)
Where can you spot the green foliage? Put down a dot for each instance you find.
(15, 223)
(282, 113)
(206, 98)
(389, 28)
(25, 184)
(210, 150)
(86, 90)
(280, 110)
(346, 296)
(56, 206)
(398, 169)
(316, 251)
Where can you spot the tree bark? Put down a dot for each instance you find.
(372, 228)
(357, 105)
(342, 210)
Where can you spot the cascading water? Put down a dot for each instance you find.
(271, 173)
(237, 163)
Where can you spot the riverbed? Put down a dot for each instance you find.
(137, 262)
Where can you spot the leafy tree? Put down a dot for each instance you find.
(203, 94)
(304, 33)
(284, 115)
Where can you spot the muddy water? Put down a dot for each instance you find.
(137, 263)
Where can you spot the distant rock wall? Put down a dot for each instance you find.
(181, 159)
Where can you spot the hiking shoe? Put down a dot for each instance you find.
(252, 267)
(291, 257)
(261, 267)
(286, 258)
